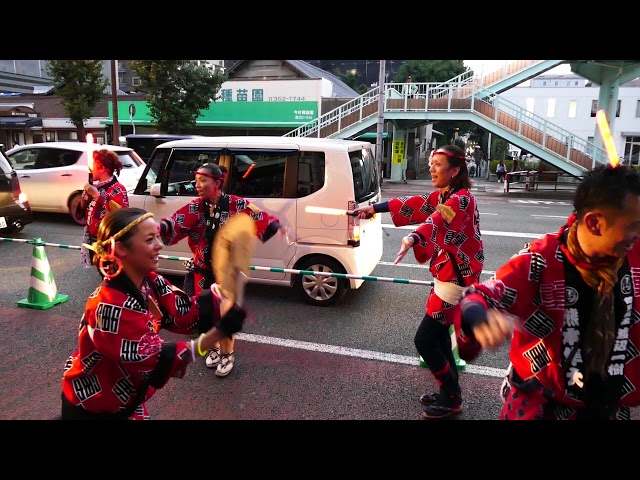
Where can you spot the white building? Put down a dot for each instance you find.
(571, 102)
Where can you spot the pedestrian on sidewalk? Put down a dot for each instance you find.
(501, 171)
(449, 238)
(568, 304)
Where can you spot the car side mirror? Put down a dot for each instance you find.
(155, 190)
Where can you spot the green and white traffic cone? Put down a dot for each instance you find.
(461, 364)
(42, 293)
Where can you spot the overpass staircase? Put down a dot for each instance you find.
(467, 97)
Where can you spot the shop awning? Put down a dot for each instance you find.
(367, 135)
(20, 122)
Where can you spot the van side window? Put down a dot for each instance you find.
(259, 173)
(366, 180)
(310, 173)
(182, 169)
(152, 173)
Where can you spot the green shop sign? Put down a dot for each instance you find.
(230, 114)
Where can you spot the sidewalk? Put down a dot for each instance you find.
(479, 186)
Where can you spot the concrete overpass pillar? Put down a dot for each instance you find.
(399, 155)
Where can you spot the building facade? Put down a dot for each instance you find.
(571, 102)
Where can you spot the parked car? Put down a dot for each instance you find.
(15, 211)
(145, 143)
(283, 176)
(53, 174)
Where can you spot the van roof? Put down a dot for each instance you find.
(281, 142)
(159, 135)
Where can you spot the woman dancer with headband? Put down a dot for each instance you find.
(449, 238)
(121, 359)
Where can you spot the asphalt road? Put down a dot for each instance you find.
(353, 361)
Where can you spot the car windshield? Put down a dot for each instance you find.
(129, 159)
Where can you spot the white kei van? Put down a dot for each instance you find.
(283, 176)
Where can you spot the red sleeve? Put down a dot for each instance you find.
(118, 194)
(441, 226)
(266, 225)
(180, 312)
(514, 286)
(124, 332)
(182, 222)
(410, 210)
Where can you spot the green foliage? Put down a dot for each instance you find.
(430, 70)
(80, 85)
(177, 91)
(499, 149)
(351, 80)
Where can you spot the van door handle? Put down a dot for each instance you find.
(66, 175)
(25, 176)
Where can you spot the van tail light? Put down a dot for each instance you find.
(353, 226)
(15, 189)
(22, 198)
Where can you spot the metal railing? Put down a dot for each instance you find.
(533, 180)
(465, 96)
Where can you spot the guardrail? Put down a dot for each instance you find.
(535, 180)
(38, 243)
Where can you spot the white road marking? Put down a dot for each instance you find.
(537, 202)
(550, 216)
(358, 353)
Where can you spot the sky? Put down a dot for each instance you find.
(488, 66)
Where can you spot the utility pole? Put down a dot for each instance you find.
(114, 103)
(380, 126)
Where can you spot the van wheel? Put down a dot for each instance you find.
(321, 290)
(73, 204)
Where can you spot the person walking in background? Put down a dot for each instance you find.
(449, 238)
(569, 304)
(501, 171)
(479, 157)
(471, 166)
(121, 359)
(516, 168)
(199, 221)
(101, 197)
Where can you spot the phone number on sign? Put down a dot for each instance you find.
(286, 99)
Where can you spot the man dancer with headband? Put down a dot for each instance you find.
(199, 221)
(449, 238)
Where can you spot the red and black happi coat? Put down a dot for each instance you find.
(450, 237)
(110, 190)
(197, 221)
(121, 358)
(541, 287)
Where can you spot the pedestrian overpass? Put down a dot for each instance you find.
(468, 97)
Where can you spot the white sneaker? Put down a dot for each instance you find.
(226, 365)
(213, 358)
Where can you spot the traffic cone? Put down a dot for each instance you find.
(42, 293)
(461, 364)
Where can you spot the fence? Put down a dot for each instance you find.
(533, 180)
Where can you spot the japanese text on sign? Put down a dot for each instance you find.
(398, 151)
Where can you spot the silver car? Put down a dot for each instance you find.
(53, 174)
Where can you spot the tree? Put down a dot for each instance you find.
(499, 149)
(430, 70)
(80, 85)
(351, 80)
(177, 91)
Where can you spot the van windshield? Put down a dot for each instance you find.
(366, 178)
